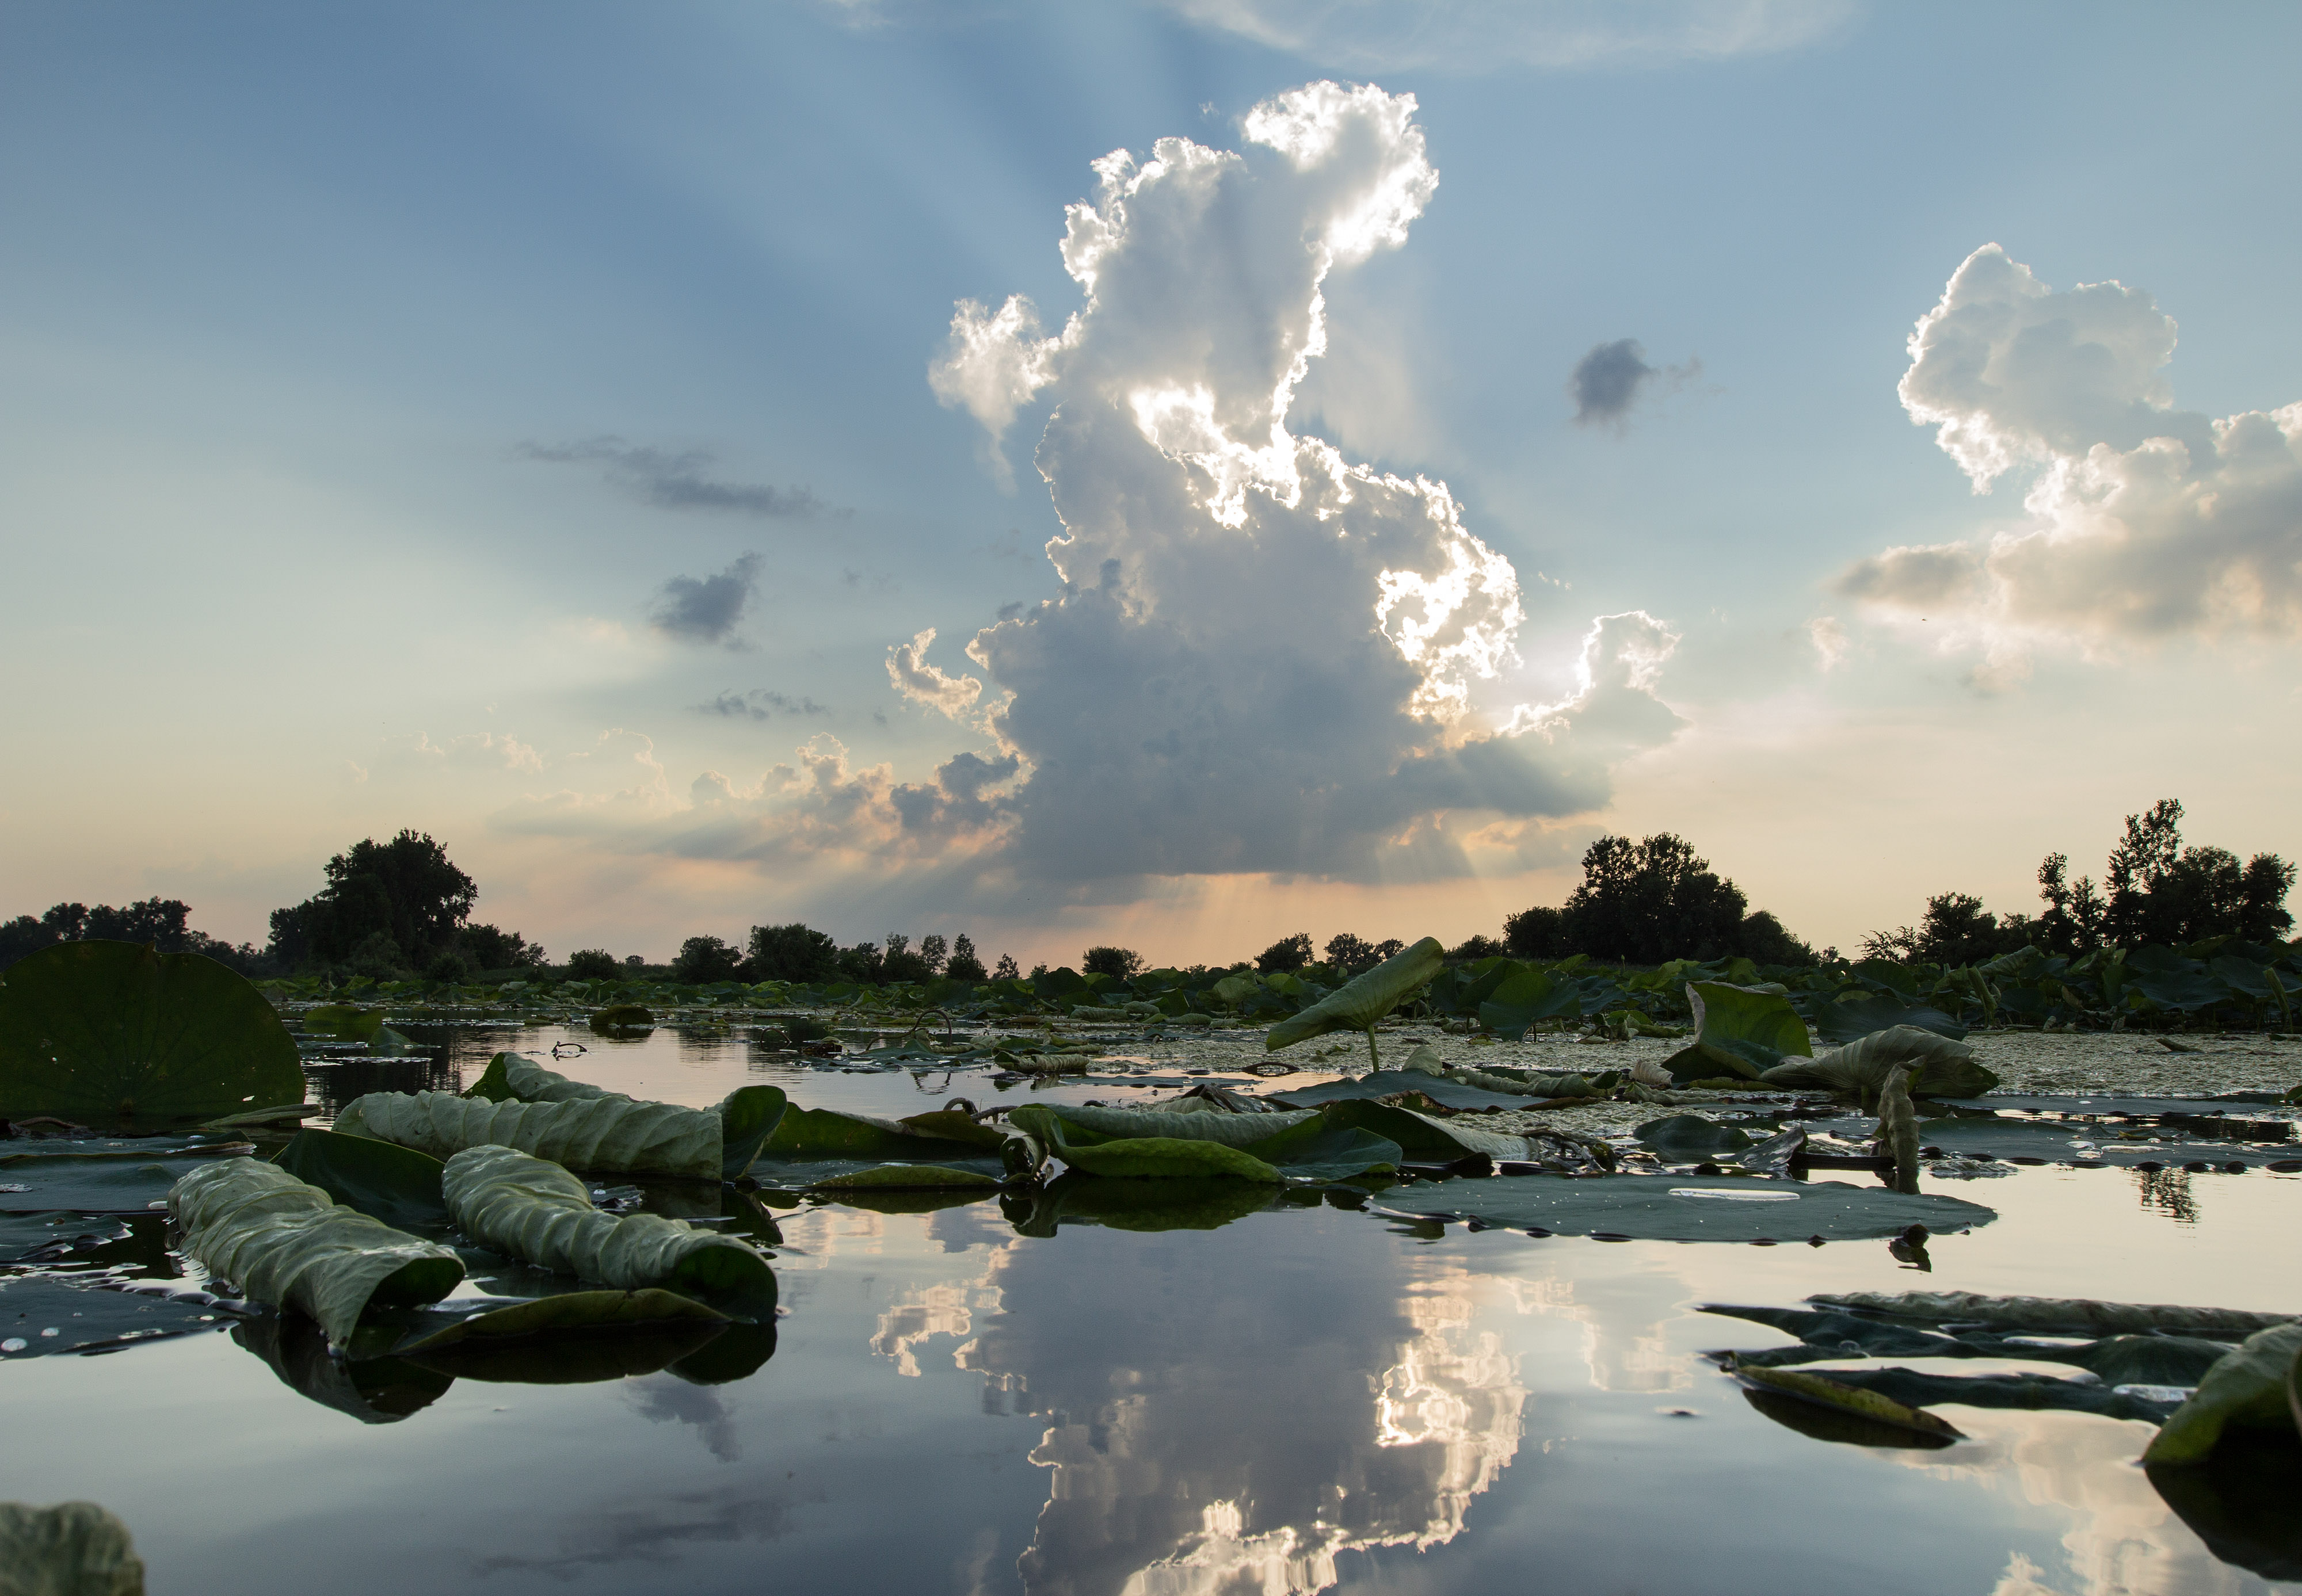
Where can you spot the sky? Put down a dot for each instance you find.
(1167, 472)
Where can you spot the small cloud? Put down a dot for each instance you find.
(759, 704)
(676, 482)
(708, 608)
(1607, 383)
(916, 679)
(1829, 640)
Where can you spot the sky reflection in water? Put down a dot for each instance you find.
(1297, 1401)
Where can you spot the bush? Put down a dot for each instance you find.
(593, 964)
(1477, 947)
(1118, 961)
(451, 964)
(703, 960)
(900, 963)
(489, 948)
(1289, 953)
(1764, 940)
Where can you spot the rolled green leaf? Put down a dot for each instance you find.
(2246, 1388)
(1158, 1157)
(610, 1132)
(534, 1210)
(514, 1077)
(283, 1241)
(74, 1548)
(1363, 1000)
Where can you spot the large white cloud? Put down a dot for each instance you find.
(2143, 521)
(1265, 656)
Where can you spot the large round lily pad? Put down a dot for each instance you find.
(114, 1034)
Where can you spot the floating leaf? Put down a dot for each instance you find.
(2050, 1314)
(106, 1033)
(283, 1241)
(811, 1147)
(99, 1176)
(1687, 1207)
(1390, 1083)
(1858, 1014)
(1688, 1136)
(621, 1017)
(74, 1548)
(1867, 1406)
(93, 1315)
(2248, 1387)
(383, 1180)
(567, 1311)
(537, 1211)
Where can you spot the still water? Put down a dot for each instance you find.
(1300, 1400)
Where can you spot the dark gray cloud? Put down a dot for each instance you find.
(1607, 383)
(759, 704)
(708, 608)
(676, 482)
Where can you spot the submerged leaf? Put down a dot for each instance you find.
(283, 1241)
(537, 1211)
(106, 1033)
(74, 1548)
(1363, 1000)
(2248, 1387)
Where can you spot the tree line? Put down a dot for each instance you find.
(401, 909)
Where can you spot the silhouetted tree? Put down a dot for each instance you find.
(1650, 900)
(406, 889)
(489, 948)
(703, 960)
(965, 963)
(1005, 970)
(900, 963)
(1478, 947)
(1536, 932)
(1348, 951)
(1119, 962)
(792, 952)
(593, 964)
(1289, 953)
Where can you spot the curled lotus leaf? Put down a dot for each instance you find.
(2070, 1314)
(534, 1210)
(2247, 1388)
(609, 1133)
(1359, 1002)
(285, 1242)
(1824, 1391)
(74, 1548)
(1945, 1067)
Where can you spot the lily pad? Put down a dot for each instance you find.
(2052, 1314)
(1681, 1135)
(100, 1176)
(1389, 1083)
(1686, 1207)
(811, 1145)
(112, 1033)
(50, 1313)
(2247, 1389)
(1852, 1018)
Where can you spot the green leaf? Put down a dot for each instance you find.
(2248, 1387)
(383, 1180)
(909, 1177)
(283, 1241)
(1690, 1135)
(104, 1177)
(108, 1033)
(1363, 1000)
(1159, 1157)
(1184, 1204)
(620, 1017)
(88, 1317)
(1688, 1207)
(1742, 1030)
(344, 1020)
(1424, 1137)
(1859, 1013)
(1524, 996)
(74, 1548)
(534, 1210)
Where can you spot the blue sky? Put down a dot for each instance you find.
(367, 373)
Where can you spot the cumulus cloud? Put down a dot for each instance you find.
(1264, 656)
(922, 683)
(472, 751)
(1830, 641)
(1610, 380)
(1479, 36)
(675, 481)
(708, 608)
(759, 704)
(2143, 521)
